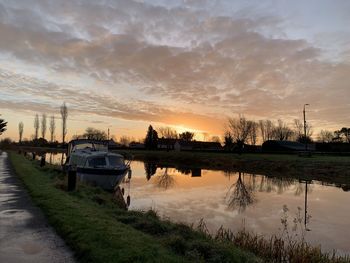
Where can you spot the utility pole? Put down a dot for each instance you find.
(108, 134)
(305, 141)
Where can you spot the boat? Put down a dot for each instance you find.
(94, 164)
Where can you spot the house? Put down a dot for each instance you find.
(181, 145)
(285, 146)
(166, 144)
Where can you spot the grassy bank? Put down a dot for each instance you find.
(97, 230)
(331, 169)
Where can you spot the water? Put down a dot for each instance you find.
(236, 200)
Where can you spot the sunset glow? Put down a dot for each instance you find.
(123, 65)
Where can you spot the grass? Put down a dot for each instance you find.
(330, 169)
(97, 230)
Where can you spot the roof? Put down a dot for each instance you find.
(200, 144)
(289, 145)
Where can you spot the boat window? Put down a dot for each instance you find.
(98, 161)
(115, 161)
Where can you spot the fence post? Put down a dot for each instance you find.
(72, 180)
(42, 161)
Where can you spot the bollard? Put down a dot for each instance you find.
(33, 155)
(72, 180)
(25, 154)
(42, 161)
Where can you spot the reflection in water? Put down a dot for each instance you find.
(165, 180)
(150, 169)
(240, 195)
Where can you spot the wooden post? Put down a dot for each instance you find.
(42, 161)
(72, 180)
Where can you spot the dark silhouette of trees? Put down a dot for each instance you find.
(43, 126)
(52, 128)
(253, 133)
(36, 127)
(3, 125)
(266, 130)
(186, 136)
(240, 129)
(64, 115)
(151, 140)
(299, 132)
(20, 131)
(228, 141)
(167, 133)
(125, 140)
(282, 132)
(94, 134)
(343, 134)
(325, 136)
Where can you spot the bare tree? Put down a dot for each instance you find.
(43, 126)
(266, 130)
(64, 115)
(253, 133)
(239, 128)
(167, 133)
(52, 128)
(282, 132)
(36, 126)
(125, 140)
(325, 136)
(186, 136)
(299, 130)
(20, 131)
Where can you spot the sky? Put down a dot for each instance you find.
(188, 64)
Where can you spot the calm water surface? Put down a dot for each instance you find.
(234, 200)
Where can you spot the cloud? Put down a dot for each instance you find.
(192, 56)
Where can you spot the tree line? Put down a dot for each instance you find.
(40, 127)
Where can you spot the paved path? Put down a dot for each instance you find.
(25, 235)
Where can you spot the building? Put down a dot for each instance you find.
(181, 145)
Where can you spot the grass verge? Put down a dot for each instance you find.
(97, 230)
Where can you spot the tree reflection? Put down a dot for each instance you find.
(240, 194)
(150, 169)
(165, 180)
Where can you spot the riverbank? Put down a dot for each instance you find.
(92, 223)
(330, 169)
(97, 230)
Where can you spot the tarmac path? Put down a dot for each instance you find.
(25, 235)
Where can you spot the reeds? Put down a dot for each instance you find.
(289, 246)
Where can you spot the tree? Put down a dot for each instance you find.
(94, 134)
(125, 140)
(325, 136)
(299, 131)
(343, 134)
(282, 132)
(43, 126)
(20, 131)
(64, 115)
(253, 133)
(151, 140)
(215, 139)
(36, 126)
(186, 136)
(240, 129)
(52, 128)
(3, 125)
(228, 141)
(167, 132)
(266, 130)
